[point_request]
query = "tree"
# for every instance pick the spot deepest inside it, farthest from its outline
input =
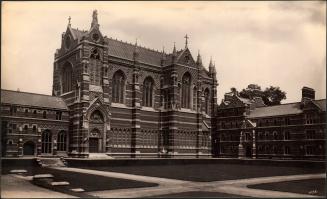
(273, 96)
(270, 96)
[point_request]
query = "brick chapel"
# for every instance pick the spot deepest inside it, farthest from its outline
(115, 98)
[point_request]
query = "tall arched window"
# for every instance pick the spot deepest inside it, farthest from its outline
(186, 90)
(206, 100)
(148, 92)
(118, 84)
(46, 142)
(62, 141)
(95, 67)
(67, 76)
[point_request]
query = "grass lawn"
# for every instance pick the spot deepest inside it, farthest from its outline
(209, 172)
(296, 186)
(88, 182)
(198, 194)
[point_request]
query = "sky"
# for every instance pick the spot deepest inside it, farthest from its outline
(266, 43)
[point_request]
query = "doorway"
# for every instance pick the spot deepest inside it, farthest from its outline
(248, 152)
(28, 148)
(94, 145)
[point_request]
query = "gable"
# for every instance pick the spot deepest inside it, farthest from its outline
(185, 58)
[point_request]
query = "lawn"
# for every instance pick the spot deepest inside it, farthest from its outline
(209, 172)
(88, 182)
(296, 186)
(199, 194)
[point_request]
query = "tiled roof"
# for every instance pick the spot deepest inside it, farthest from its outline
(283, 109)
(125, 50)
(78, 33)
(244, 100)
(32, 99)
(321, 104)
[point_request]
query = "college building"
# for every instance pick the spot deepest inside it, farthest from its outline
(250, 129)
(114, 98)
(119, 99)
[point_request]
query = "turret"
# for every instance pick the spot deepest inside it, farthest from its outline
(95, 19)
(174, 54)
(163, 56)
(135, 52)
(199, 60)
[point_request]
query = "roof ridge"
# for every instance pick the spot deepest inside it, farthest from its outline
(30, 93)
(126, 42)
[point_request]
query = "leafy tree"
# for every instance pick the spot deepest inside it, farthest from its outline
(270, 96)
(273, 96)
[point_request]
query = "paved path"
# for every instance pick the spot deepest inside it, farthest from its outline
(170, 186)
(13, 186)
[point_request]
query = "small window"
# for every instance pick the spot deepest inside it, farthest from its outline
(286, 150)
(287, 135)
(34, 129)
(10, 142)
(26, 112)
(13, 110)
(25, 128)
(44, 114)
(58, 115)
(34, 113)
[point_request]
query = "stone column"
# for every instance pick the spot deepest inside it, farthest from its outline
(241, 151)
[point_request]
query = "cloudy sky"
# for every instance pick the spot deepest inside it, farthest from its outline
(267, 43)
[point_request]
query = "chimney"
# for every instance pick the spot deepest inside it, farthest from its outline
(307, 94)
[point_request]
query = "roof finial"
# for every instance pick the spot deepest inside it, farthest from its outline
(186, 40)
(94, 18)
(174, 49)
(69, 18)
(199, 59)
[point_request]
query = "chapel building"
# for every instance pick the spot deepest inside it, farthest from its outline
(114, 98)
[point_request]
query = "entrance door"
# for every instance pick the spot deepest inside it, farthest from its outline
(248, 152)
(94, 145)
(28, 148)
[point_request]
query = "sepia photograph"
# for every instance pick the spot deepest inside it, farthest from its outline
(163, 99)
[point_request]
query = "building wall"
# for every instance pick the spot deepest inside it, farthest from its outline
(15, 135)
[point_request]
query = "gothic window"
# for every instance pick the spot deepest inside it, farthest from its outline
(26, 112)
(118, 85)
(206, 100)
(310, 134)
(95, 67)
(62, 141)
(275, 135)
(186, 89)
(58, 115)
(95, 54)
(34, 113)
(194, 98)
(67, 76)
(148, 92)
(97, 117)
(46, 142)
